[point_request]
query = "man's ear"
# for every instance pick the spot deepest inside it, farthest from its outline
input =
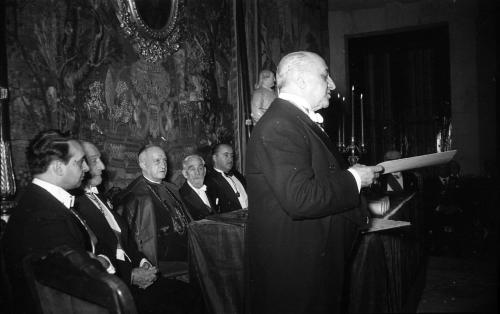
(184, 173)
(300, 81)
(57, 166)
(142, 164)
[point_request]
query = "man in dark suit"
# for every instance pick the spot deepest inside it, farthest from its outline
(397, 182)
(44, 217)
(226, 185)
(193, 192)
(152, 294)
(305, 204)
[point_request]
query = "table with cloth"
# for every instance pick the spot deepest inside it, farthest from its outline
(384, 270)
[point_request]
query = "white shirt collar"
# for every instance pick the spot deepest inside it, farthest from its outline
(298, 101)
(203, 187)
(58, 192)
(218, 170)
(303, 105)
(151, 180)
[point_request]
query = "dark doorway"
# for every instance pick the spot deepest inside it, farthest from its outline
(404, 76)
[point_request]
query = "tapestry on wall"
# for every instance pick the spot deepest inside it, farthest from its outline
(71, 68)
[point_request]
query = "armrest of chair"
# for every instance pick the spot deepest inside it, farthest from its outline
(68, 280)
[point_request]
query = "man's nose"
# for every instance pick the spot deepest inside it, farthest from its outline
(331, 84)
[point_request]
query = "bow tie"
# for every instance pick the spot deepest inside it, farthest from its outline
(230, 173)
(93, 189)
(315, 117)
(203, 188)
(70, 202)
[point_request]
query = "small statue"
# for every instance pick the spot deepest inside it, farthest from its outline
(263, 94)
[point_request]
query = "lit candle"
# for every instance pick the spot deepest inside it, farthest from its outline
(352, 113)
(343, 124)
(339, 126)
(362, 123)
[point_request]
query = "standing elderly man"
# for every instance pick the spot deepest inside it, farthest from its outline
(305, 205)
(152, 294)
(194, 191)
(44, 218)
(155, 213)
(226, 185)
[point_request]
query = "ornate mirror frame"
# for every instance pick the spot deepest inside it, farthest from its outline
(152, 45)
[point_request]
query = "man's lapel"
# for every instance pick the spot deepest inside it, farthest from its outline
(319, 132)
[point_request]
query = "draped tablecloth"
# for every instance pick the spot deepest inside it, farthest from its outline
(216, 254)
(383, 270)
(386, 271)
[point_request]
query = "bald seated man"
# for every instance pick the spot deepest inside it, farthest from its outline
(305, 208)
(155, 213)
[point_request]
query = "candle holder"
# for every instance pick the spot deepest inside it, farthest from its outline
(355, 151)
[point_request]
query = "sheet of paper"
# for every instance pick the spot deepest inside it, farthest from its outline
(417, 161)
(379, 224)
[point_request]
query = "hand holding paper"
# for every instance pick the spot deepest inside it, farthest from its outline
(367, 173)
(403, 164)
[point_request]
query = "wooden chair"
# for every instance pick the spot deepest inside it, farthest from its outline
(69, 281)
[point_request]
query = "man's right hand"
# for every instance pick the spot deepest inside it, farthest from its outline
(143, 277)
(367, 173)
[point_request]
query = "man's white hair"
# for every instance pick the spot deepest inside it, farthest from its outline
(188, 158)
(291, 64)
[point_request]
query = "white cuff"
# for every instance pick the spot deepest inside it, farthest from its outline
(144, 261)
(111, 269)
(356, 177)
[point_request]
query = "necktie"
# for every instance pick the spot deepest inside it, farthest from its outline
(110, 219)
(93, 238)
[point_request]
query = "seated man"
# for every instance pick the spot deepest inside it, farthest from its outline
(155, 212)
(152, 294)
(396, 182)
(44, 217)
(226, 185)
(444, 199)
(193, 191)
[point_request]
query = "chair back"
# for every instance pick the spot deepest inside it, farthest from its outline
(69, 281)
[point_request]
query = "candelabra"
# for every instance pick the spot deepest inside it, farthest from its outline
(353, 149)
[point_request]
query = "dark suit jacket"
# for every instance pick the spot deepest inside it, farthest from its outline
(304, 213)
(38, 224)
(194, 203)
(138, 205)
(221, 189)
(107, 240)
(410, 183)
(163, 296)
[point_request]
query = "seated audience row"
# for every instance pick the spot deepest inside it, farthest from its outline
(138, 239)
